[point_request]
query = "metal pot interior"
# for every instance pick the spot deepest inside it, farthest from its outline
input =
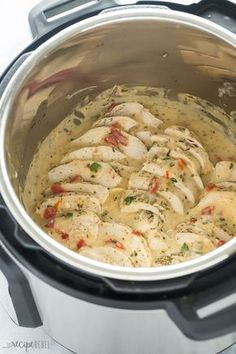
(151, 48)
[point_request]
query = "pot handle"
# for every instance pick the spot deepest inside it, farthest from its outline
(210, 312)
(20, 292)
(48, 15)
(203, 307)
(57, 14)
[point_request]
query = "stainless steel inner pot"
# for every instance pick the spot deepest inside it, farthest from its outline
(152, 47)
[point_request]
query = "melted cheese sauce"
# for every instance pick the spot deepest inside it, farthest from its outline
(165, 242)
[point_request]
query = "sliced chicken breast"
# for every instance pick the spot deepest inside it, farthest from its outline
(108, 255)
(169, 169)
(218, 205)
(194, 242)
(225, 171)
(166, 189)
(120, 236)
(145, 137)
(103, 174)
(173, 143)
(93, 136)
(123, 170)
(136, 111)
(81, 227)
(97, 153)
(137, 200)
(98, 191)
(183, 133)
(125, 123)
(71, 202)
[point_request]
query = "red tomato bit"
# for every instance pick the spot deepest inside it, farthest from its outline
(57, 188)
(50, 223)
(119, 136)
(221, 242)
(111, 140)
(154, 185)
(111, 106)
(81, 243)
(76, 178)
(207, 210)
(116, 137)
(116, 125)
(120, 245)
(63, 234)
(181, 164)
(209, 187)
(49, 212)
(137, 233)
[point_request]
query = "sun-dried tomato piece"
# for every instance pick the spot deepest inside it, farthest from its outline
(154, 185)
(57, 188)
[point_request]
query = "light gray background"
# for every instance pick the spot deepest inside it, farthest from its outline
(14, 36)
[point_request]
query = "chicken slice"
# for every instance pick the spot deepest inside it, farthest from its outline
(128, 144)
(145, 222)
(174, 200)
(104, 174)
(93, 136)
(225, 171)
(181, 179)
(134, 148)
(190, 162)
(71, 202)
(97, 153)
(184, 159)
(145, 137)
(158, 152)
(137, 200)
(166, 189)
(194, 242)
(183, 133)
(157, 243)
(125, 123)
(173, 143)
(123, 170)
(225, 186)
(98, 191)
(120, 236)
(219, 207)
(80, 227)
(214, 230)
(108, 255)
(136, 111)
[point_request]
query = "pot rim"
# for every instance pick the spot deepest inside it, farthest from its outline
(13, 203)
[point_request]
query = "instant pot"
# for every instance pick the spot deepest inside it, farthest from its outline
(80, 49)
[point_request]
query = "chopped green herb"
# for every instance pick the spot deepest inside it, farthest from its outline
(128, 200)
(94, 167)
(231, 166)
(68, 215)
(174, 180)
(184, 247)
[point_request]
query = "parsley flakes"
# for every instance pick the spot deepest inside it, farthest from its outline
(95, 167)
(128, 200)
